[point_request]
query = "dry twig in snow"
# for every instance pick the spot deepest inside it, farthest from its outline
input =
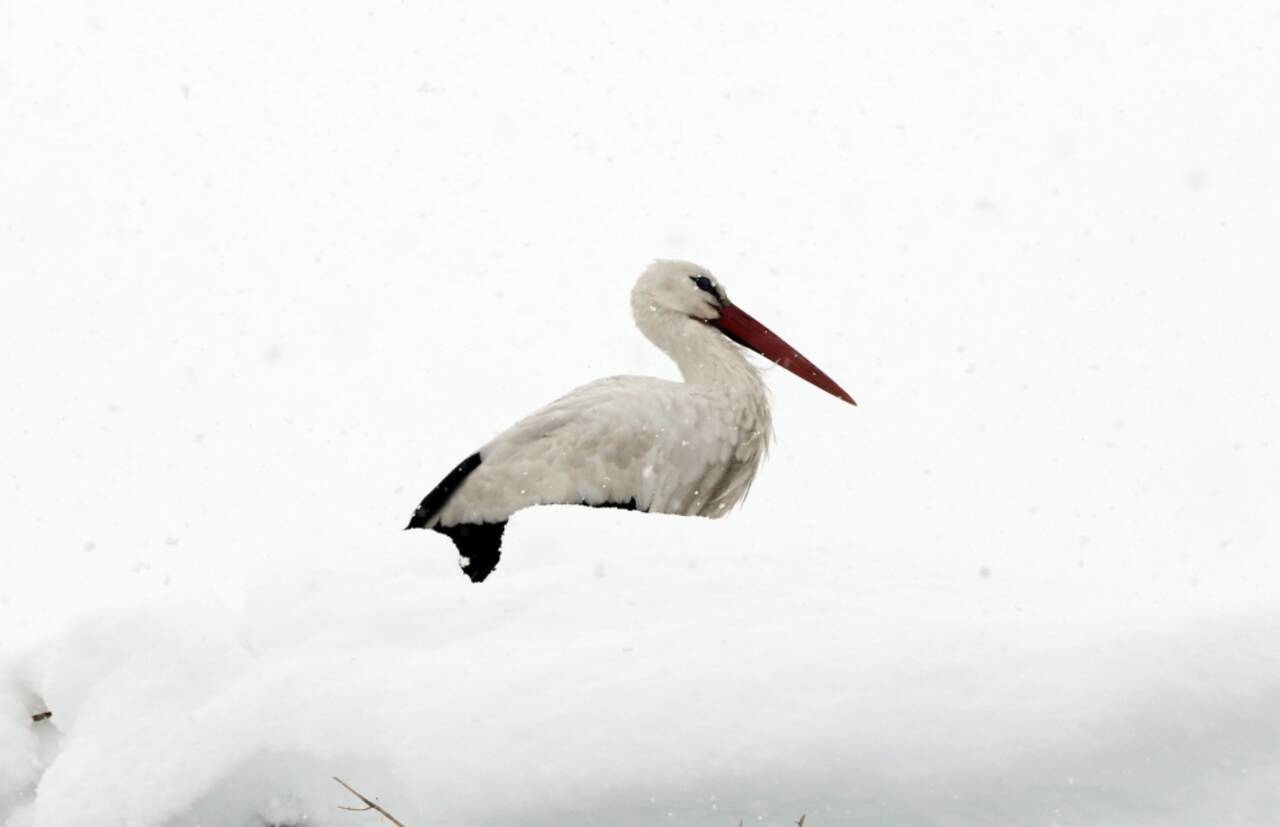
(368, 805)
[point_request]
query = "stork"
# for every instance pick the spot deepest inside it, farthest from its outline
(632, 442)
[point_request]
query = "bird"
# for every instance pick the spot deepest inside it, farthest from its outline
(632, 442)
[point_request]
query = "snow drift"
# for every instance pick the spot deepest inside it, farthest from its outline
(690, 673)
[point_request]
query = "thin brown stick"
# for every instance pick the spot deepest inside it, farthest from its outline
(368, 805)
(42, 716)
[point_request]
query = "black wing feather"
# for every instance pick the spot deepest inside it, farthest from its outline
(433, 502)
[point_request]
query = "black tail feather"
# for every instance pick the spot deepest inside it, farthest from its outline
(480, 545)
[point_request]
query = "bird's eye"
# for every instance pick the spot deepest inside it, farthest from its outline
(704, 284)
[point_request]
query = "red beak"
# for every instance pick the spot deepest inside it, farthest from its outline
(746, 331)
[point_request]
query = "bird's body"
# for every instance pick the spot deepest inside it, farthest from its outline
(670, 447)
(689, 448)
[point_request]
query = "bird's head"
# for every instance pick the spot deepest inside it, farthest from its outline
(680, 287)
(672, 294)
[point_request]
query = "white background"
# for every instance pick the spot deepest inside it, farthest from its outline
(270, 270)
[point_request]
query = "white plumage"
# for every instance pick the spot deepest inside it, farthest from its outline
(690, 447)
(674, 448)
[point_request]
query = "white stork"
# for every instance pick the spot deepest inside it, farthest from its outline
(632, 442)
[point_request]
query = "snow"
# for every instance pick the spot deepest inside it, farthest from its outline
(704, 675)
(269, 273)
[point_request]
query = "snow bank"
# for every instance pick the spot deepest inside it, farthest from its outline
(692, 672)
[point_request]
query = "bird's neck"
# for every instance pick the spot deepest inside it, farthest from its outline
(706, 357)
(711, 359)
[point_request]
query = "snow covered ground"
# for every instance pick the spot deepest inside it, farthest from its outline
(269, 272)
